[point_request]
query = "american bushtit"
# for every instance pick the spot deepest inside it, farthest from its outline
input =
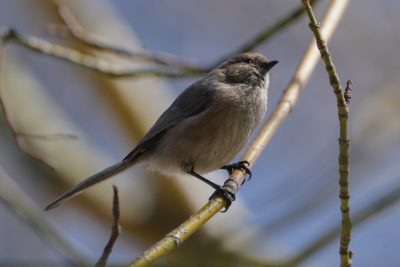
(204, 128)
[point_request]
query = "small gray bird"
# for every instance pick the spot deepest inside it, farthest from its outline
(204, 128)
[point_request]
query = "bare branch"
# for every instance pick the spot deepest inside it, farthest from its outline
(342, 99)
(271, 31)
(18, 202)
(97, 42)
(47, 137)
(115, 231)
(97, 64)
(4, 34)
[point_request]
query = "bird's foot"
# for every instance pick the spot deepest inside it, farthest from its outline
(241, 165)
(226, 194)
(220, 190)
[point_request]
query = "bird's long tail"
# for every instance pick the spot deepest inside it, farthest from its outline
(92, 180)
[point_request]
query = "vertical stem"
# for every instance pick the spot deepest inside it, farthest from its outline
(344, 143)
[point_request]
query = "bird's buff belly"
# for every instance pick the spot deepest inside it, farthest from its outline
(203, 148)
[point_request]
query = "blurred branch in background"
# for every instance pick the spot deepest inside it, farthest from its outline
(270, 31)
(78, 32)
(172, 240)
(181, 67)
(343, 99)
(17, 201)
(71, 55)
(3, 38)
(387, 200)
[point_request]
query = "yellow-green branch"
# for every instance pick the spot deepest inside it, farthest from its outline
(342, 98)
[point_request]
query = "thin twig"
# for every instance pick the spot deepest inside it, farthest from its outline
(4, 33)
(3, 37)
(288, 100)
(115, 231)
(47, 137)
(267, 33)
(270, 31)
(344, 142)
(18, 135)
(97, 64)
(79, 33)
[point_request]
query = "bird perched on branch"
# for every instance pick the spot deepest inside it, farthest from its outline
(206, 126)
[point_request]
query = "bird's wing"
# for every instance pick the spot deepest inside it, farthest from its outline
(192, 101)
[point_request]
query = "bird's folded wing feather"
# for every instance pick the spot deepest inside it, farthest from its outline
(193, 101)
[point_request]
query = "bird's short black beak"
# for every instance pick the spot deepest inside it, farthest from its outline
(268, 65)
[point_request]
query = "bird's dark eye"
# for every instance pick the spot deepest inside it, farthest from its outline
(248, 61)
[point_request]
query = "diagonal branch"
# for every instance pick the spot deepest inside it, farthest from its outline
(79, 33)
(168, 66)
(17, 134)
(94, 41)
(387, 200)
(342, 99)
(94, 63)
(18, 202)
(270, 31)
(286, 104)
